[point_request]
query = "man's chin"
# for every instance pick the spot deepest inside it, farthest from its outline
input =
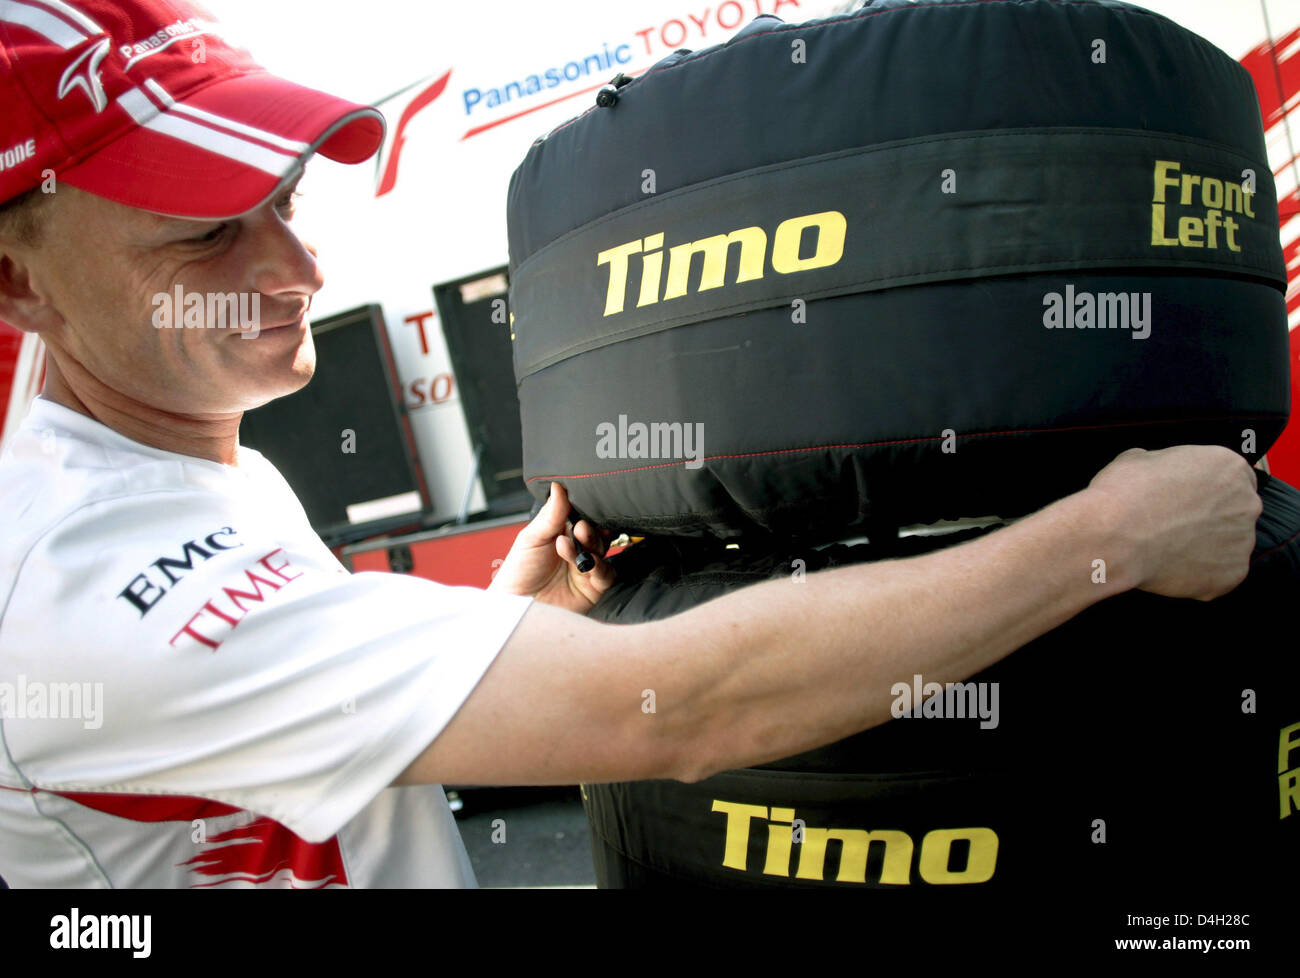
(253, 391)
(289, 385)
(288, 371)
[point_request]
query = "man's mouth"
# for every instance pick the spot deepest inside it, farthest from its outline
(257, 328)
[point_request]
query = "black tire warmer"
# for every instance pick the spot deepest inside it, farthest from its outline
(920, 262)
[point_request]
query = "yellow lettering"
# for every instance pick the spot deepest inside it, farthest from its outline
(1231, 226)
(779, 839)
(753, 246)
(1212, 201)
(652, 266)
(1219, 197)
(980, 863)
(1288, 789)
(735, 854)
(753, 249)
(1190, 230)
(855, 844)
(1232, 197)
(1158, 226)
(616, 259)
(1163, 180)
(831, 228)
(1288, 741)
(1213, 221)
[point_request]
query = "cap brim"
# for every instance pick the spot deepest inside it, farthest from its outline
(222, 151)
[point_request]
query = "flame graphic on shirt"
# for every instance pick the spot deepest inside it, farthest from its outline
(256, 853)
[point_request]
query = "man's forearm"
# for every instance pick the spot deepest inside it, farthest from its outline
(784, 667)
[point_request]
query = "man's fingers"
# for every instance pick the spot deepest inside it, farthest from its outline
(552, 523)
(589, 538)
(564, 547)
(602, 574)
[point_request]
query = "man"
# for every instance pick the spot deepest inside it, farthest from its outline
(199, 693)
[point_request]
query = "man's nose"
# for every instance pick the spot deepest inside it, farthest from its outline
(283, 262)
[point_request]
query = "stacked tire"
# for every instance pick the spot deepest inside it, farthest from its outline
(925, 262)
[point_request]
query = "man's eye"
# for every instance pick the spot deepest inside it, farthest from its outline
(214, 235)
(286, 202)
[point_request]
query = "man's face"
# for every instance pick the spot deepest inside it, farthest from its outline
(111, 271)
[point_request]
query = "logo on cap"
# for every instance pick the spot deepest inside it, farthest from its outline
(64, 25)
(88, 82)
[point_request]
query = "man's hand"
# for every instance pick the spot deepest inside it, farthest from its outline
(542, 561)
(1189, 513)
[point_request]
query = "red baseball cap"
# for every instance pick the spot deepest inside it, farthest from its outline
(143, 102)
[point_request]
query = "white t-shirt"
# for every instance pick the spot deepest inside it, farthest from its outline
(194, 692)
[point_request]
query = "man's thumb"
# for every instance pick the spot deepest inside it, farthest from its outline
(553, 511)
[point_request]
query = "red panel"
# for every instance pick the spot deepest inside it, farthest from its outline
(1284, 456)
(1277, 82)
(371, 560)
(465, 558)
(10, 341)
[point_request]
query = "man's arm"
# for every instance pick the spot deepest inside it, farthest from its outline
(779, 668)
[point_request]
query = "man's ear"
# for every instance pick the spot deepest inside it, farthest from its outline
(21, 305)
